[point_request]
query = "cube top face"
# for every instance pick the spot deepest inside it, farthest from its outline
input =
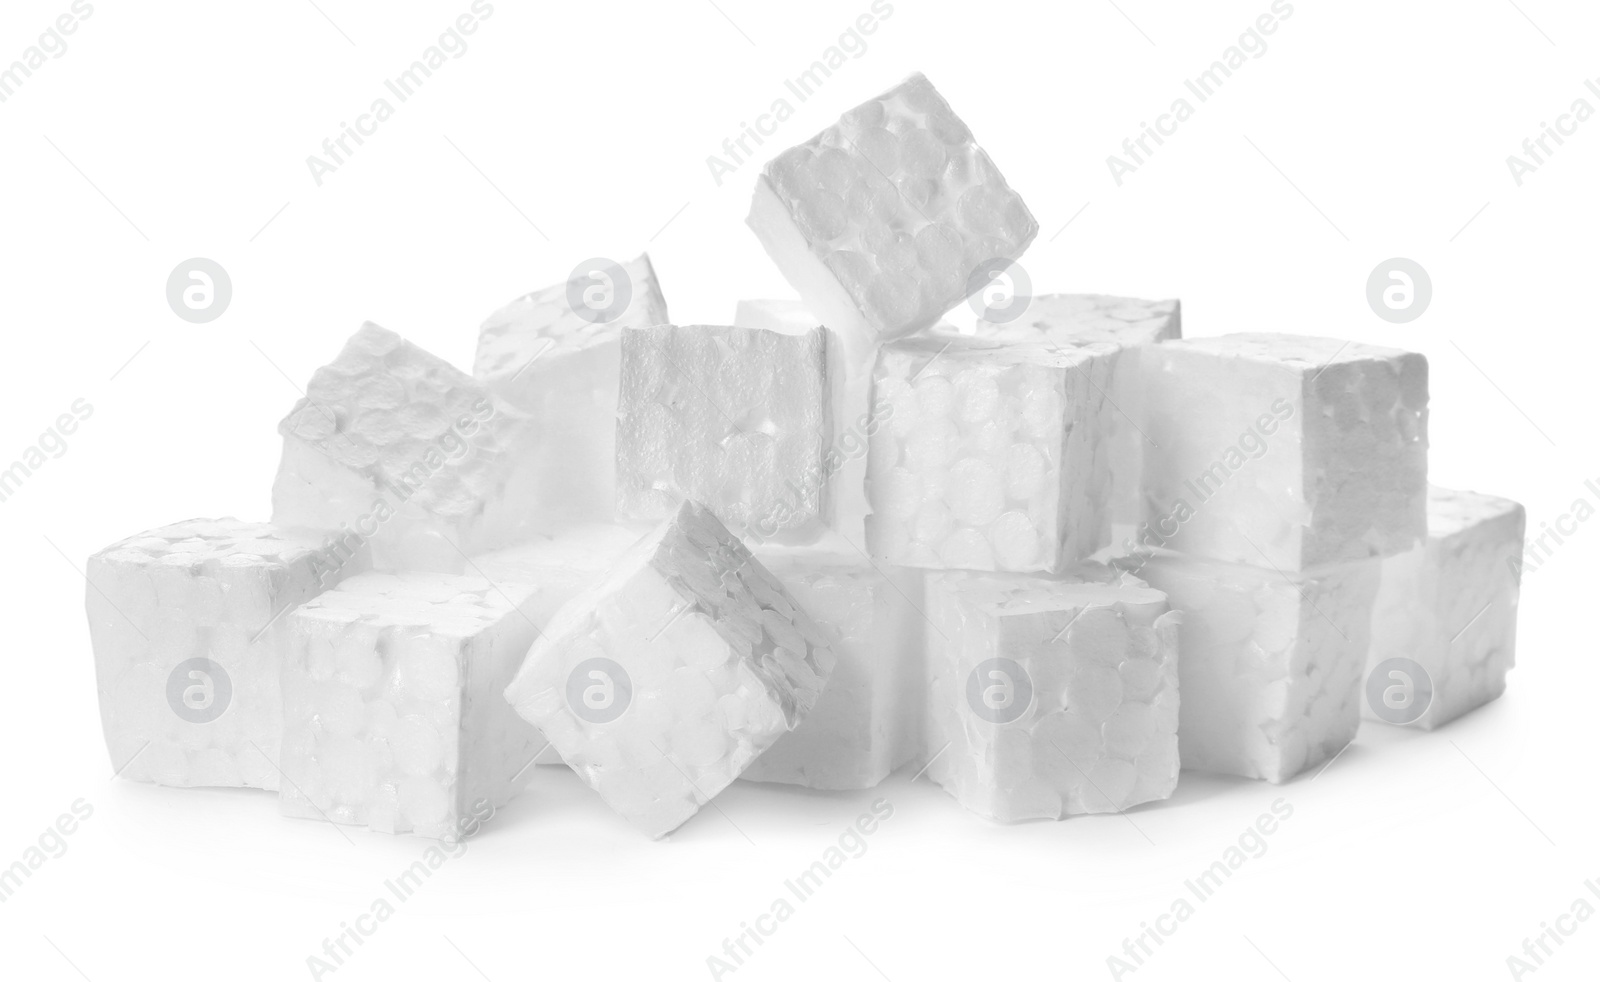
(784, 316)
(1021, 597)
(584, 548)
(445, 604)
(590, 310)
(1453, 512)
(1077, 318)
(733, 417)
(901, 206)
(203, 544)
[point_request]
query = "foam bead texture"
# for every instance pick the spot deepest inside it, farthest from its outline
(735, 418)
(1098, 654)
(200, 589)
(1342, 477)
(392, 712)
(716, 658)
(1272, 663)
(383, 421)
(1451, 604)
(901, 206)
(990, 457)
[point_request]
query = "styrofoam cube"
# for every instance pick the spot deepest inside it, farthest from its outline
(882, 221)
(394, 448)
(557, 353)
(735, 418)
(992, 457)
(1448, 606)
(788, 316)
(866, 722)
(1271, 662)
(1051, 697)
(188, 628)
(660, 684)
(1285, 451)
(1131, 326)
(393, 718)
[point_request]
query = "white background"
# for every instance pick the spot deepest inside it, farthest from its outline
(567, 131)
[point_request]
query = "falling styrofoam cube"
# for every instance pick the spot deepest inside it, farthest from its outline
(1131, 326)
(557, 353)
(660, 684)
(732, 417)
(1449, 608)
(866, 722)
(990, 456)
(1285, 451)
(1271, 661)
(188, 628)
(394, 448)
(885, 220)
(393, 718)
(1051, 697)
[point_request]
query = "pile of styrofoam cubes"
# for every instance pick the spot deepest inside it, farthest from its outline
(1048, 563)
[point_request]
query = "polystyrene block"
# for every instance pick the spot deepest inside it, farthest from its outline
(557, 354)
(1051, 697)
(188, 628)
(991, 457)
(1285, 451)
(660, 684)
(1448, 606)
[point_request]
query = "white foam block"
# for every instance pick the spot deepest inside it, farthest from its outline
(1450, 606)
(188, 628)
(557, 354)
(735, 418)
(787, 316)
(990, 457)
(660, 684)
(865, 723)
(881, 221)
(1051, 697)
(1270, 664)
(1285, 451)
(392, 712)
(394, 448)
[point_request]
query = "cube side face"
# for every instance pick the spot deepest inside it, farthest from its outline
(974, 467)
(1053, 710)
(899, 206)
(1366, 458)
(186, 624)
(738, 419)
(1224, 477)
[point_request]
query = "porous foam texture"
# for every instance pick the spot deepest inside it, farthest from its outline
(880, 221)
(1131, 326)
(735, 418)
(1285, 451)
(392, 712)
(990, 457)
(865, 724)
(1051, 697)
(394, 448)
(660, 684)
(188, 628)
(1272, 661)
(1450, 605)
(561, 364)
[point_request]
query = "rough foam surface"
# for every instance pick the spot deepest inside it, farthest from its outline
(992, 457)
(392, 710)
(1129, 325)
(1285, 451)
(881, 220)
(866, 722)
(395, 447)
(1450, 605)
(660, 684)
(562, 365)
(732, 417)
(1272, 662)
(213, 590)
(1051, 697)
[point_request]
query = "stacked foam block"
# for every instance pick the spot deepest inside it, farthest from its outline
(1048, 561)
